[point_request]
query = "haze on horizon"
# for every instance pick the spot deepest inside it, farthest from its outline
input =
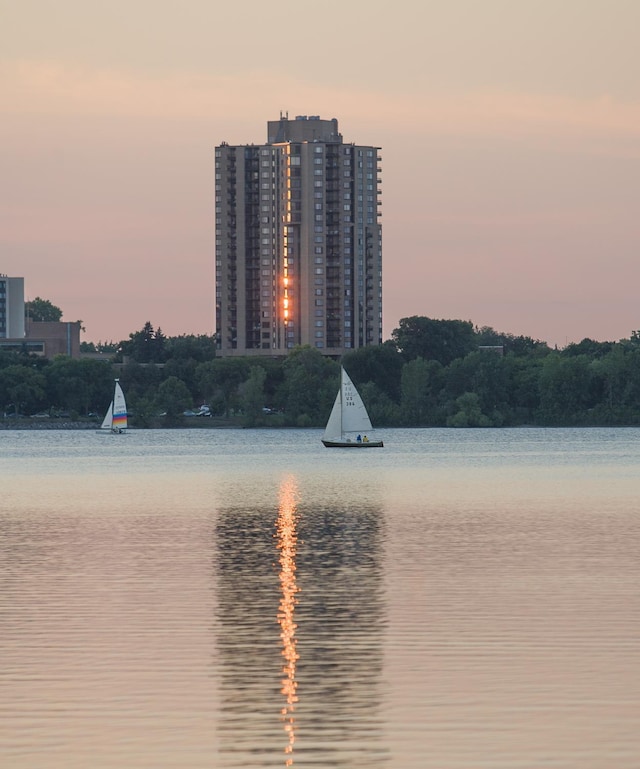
(510, 136)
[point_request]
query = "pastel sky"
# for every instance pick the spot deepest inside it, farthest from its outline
(509, 133)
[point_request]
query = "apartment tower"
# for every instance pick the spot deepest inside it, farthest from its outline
(298, 242)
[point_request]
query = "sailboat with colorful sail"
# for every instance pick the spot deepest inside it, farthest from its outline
(349, 425)
(115, 420)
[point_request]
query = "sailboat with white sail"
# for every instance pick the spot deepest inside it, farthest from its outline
(115, 420)
(349, 425)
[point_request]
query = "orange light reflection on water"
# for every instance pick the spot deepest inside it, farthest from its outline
(287, 535)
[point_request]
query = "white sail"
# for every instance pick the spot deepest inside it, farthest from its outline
(348, 422)
(115, 420)
(333, 430)
(106, 422)
(354, 414)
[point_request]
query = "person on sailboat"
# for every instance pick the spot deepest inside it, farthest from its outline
(359, 438)
(366, 439)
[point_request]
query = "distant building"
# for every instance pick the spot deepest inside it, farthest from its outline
(298, 242)
(57, 337)
(11, 307)
(38, 338)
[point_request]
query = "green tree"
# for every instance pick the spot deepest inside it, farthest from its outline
(191, 347)
(145, 346)
(142, 411)
(484, 373)
(421, 383)
(631, 391)
(468, 413)
(518, 345)
(252, 396)
(140, 381)
(441, 340)
(41, 310)
(380, 364)
(23, 388)
(105, 348)
(381, 409)
(566, 392)
(174, 398)
(222, 377)
(523, 374)
(588, 347)
(81, 386)
(311, 382)
(184, 369)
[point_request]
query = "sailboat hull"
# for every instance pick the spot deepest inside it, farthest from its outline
(352, 444)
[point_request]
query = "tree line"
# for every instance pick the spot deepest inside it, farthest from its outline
(430, 373)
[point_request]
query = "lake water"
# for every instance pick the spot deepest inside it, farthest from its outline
(460, 599)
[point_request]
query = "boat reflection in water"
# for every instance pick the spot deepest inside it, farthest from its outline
(300, 622)
(287, 536)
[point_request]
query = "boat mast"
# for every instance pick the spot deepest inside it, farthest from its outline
(115, 385)
(341, 399)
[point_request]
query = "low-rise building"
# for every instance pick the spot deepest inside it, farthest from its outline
(46, 339)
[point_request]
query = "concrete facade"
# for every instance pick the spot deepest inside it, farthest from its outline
(11, 307)
(47, 339)
(298, 242)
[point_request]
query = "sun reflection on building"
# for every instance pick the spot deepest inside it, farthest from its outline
(287, 541)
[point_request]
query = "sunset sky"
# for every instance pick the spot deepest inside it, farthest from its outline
(509, 134)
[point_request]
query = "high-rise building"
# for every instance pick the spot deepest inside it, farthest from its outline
(298, 242)
(11, 307)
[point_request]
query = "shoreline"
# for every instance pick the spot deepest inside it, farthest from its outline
(81, 424)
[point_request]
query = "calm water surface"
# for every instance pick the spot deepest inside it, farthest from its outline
(460, 599)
